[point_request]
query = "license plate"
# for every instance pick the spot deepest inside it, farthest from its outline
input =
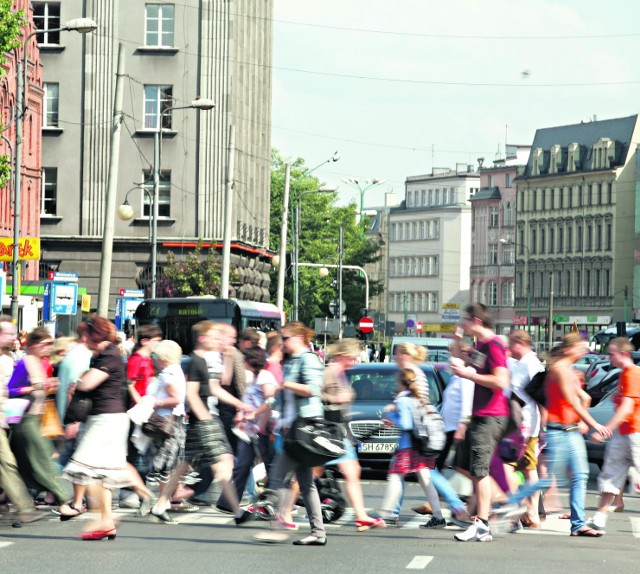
(382, 447)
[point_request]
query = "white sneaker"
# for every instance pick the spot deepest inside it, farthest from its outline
(478, 532)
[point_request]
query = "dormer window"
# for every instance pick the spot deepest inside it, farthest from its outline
(538, 158)
(573, 163)
(556, 158)
(603, 154)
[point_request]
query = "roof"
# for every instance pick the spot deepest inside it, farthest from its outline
(619, 130)
(486, 193)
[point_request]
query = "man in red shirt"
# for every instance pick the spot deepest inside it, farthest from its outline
(489, 414)
(140, 364)
(622, 454)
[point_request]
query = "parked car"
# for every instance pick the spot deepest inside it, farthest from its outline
(602, 412)
(375, 387)
(596, 372)
(585, 362)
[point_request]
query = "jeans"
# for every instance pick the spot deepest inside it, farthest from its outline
(565, 451)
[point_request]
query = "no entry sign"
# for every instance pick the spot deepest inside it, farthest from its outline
(366, 325)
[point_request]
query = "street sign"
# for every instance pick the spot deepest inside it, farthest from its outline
(132, 293)
(63, 276)
(64, 298)
(333, 307)
(411, 323)
(365, 325)
(419, 326)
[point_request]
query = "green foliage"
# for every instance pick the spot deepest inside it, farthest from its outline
(11, 24)
(191, 276)
(5, 170)
(320, 225)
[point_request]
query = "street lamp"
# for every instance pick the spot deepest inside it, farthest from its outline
(362, 185)
(526, 272)
(296, 241)
(125, 211)
(324, 271)
(82, 26)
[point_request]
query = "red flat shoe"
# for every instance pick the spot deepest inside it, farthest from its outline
(98, 535)
(362, 525)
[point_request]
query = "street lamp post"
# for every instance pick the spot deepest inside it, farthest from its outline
(82, 26)
(335, 266)
(526, 273)
(362, 185)
(125, 212)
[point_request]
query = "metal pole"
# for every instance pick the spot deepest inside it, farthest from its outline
(154, 208)
(15, 266)
(626, 302)
(340, 250)
(356, 267)
(296, 258)
(283, 237)
(110, 199)
(228, 212)
(550, 327)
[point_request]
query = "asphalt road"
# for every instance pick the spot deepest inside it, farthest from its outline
(207, 541)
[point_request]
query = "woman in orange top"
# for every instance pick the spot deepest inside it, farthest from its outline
(565, 445)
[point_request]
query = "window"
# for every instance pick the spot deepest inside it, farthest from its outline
(608, 237)
(394, 231)
(587, 282)
(437, 196)
(589, 237)
(508, 254)
(51, 98)
(596, 283)
(507, 214)
(493, 254)
(543, 241)
(492, 299)
(431, 197)
(159, 25)
(493, 216)
(156, 100)
(569, 240)
(49, 195)
(567, 283)
(578, 283)
(409, 199)
(432, 302)
(423, 194)
(552, 240)
(492, 181)
(579, 238)
(452, 195)
(509, 182)
(533, 241)
(508, 291)
(164, 194)
(46, 16)
(607, 285)
(598, 236)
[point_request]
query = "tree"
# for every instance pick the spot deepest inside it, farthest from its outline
(11, 23)
(320, 225)
(192, 276)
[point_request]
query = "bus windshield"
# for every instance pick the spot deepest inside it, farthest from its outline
(176, 316)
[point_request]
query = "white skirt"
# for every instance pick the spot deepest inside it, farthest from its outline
(101, 455)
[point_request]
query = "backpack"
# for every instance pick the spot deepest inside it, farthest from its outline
(428, 434)
(536, 388)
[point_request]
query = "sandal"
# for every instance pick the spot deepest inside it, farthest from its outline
(526, 522)
(566, 516)
(423, 509)
(587, 531)
(76, 512)
(362, 525)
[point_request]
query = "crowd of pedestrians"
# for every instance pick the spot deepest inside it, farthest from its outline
(153, 424)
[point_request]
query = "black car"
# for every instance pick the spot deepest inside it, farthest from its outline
(602, 413)
(375, 387)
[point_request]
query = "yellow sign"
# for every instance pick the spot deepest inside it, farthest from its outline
(29, 248)
(438, 328)
(85, 306)
(451, 305)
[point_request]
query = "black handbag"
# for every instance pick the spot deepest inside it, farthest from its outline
(79, 408)
(315, 442)
(158, 427)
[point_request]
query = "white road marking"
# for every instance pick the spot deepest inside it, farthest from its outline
(635, 526)
(414, 523)
(419, 562)
(5, 544)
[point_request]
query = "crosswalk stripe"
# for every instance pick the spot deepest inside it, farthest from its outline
(635, 526)
(5, 544)
(419, 562)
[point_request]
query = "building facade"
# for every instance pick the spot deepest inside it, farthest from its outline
(174, 53)
(576, 219)
(493, 213)
(28, 165)
(430, 250)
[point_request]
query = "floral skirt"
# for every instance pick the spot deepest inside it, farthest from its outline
(169, 453)
(409, 460)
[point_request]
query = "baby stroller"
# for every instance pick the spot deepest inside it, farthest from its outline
(332, 500)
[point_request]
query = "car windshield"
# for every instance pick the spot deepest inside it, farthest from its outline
(380, 385)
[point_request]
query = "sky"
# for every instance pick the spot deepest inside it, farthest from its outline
(400, 86)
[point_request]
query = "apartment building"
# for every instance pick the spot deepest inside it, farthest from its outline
(430, 249)
(174, 53)
(493, 214)
(576, 223)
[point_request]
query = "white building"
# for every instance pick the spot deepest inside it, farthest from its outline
(430, 248)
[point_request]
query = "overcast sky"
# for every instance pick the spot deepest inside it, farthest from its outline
(399, 86)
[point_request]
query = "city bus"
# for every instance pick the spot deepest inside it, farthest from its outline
(176, 315)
